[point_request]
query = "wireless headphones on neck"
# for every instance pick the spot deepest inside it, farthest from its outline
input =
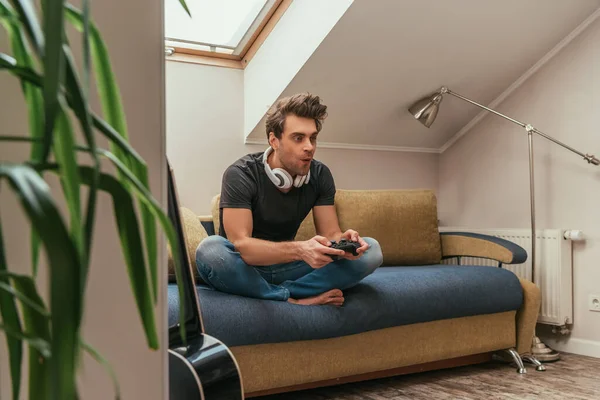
(280, 177)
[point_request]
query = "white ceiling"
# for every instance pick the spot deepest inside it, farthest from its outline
(384, 54)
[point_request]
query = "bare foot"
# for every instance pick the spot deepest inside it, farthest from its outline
(334, 297)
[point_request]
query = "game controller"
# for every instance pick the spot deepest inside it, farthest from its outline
(347, 245)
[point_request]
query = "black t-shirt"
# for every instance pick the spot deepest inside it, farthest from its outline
(276, 215)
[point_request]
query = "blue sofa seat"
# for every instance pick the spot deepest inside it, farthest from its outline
(391, 296)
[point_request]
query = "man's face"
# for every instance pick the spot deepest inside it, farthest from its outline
(297, 145)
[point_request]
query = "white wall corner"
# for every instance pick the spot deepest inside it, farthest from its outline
(296, 36)
(522, 79)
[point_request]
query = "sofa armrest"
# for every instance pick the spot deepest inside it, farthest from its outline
(527, 316)
(477, 245)
(207, 223)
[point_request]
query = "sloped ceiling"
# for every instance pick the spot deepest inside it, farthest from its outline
(383, 55)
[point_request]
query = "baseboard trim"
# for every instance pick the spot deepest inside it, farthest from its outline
(349, 146)
(590, 348)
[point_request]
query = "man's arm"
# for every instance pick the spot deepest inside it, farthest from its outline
(237, 222)
(238, 225)
(326, 222)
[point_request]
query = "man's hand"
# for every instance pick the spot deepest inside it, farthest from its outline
(355, 237)
(315, 252)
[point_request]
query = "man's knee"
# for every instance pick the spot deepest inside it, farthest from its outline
(212, 251)
(215, 261)
(373, 257)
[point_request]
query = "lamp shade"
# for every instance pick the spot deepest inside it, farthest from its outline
(425, 110)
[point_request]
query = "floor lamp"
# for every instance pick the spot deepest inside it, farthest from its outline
(425, 110)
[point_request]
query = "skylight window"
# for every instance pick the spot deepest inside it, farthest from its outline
(217, 27)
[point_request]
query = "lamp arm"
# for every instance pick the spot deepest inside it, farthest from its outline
(523, 125)
(591, 159)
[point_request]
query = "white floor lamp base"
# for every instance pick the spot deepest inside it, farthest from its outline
(542, 352)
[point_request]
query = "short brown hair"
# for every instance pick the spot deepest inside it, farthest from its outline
(303, 105)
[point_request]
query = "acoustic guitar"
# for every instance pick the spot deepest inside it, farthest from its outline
(202, 367)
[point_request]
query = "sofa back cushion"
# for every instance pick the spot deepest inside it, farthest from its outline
(194, 234)
(404, 222)
(214, 207)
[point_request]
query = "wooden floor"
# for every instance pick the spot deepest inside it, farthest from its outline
(573, 377)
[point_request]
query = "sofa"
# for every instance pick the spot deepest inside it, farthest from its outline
(414, 313)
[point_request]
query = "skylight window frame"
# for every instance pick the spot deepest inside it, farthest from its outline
(205, 53)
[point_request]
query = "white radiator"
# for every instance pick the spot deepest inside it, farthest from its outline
(553, 270)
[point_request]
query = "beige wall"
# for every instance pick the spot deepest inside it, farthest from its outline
(111, 322)
(205, 117)
(484, 177)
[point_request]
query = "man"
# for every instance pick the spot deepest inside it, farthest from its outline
(264, 199)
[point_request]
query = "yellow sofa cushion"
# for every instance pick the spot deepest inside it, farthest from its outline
(194, 234)
(404, 222)
(214, 207)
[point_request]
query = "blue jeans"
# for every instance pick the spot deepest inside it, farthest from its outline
(222, 268)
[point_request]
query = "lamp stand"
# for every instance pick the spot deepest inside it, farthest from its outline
(425, 110)
(539, 350)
